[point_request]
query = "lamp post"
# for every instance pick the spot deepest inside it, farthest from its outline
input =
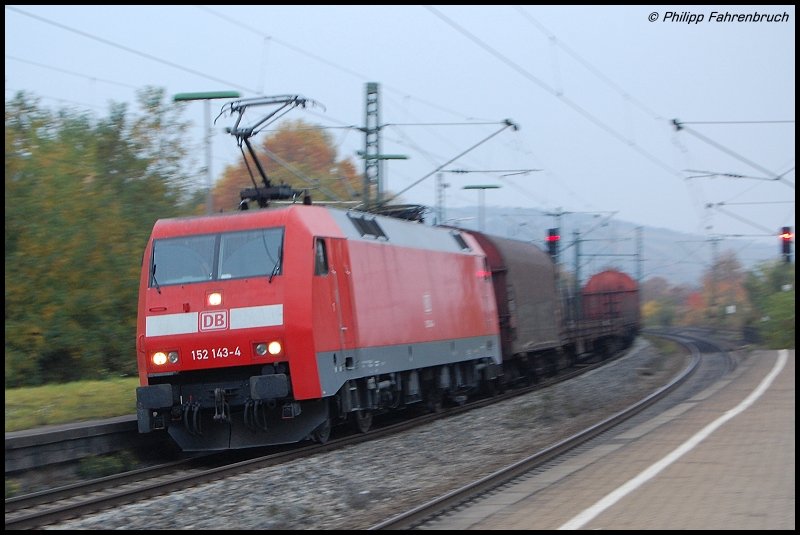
(379, 186)
(481, 198)
(207, 96)
(440, 185)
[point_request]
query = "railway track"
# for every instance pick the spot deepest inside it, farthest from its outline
(440, 506)
(55, 505)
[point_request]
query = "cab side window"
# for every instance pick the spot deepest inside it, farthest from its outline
(320, 257)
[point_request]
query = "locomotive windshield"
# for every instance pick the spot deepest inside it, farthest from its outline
(230, 255)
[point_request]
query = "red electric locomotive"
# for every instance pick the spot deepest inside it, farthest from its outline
(269, 326)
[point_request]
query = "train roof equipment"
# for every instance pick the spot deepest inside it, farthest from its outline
(269, 192)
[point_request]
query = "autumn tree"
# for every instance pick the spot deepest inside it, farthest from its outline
(655, 288)
(694, 310)
(664, 304)
(298, 154)
(723, 290)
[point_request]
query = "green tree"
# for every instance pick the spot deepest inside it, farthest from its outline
(771, 290)
(81, 198)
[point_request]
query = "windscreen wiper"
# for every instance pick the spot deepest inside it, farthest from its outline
(154, 278)
(277, 264)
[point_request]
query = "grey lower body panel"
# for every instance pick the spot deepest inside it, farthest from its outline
(336, 367)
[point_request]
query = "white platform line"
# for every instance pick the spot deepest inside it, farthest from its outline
(613, 497)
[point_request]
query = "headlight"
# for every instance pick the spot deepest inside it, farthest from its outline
(273, 348)
(160, 358)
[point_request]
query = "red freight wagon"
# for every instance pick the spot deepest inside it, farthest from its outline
(611, 294)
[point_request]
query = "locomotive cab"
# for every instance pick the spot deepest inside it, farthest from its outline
(218, 298)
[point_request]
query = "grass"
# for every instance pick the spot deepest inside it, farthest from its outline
(27, 408)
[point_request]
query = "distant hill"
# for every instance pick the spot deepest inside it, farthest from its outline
(678, 257)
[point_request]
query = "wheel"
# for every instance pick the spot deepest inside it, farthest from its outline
(322, 433)
(362, 420)
(492, 387)
(435, 400)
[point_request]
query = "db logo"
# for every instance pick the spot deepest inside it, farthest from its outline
(214, 321)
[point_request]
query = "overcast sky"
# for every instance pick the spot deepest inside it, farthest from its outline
(593, 90)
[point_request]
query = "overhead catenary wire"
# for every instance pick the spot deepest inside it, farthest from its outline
(569, 102)
(317, 57)
(133, 51)
(507, 124)
(566, 100)
(557, 43)
(72, 73)
(680, 125)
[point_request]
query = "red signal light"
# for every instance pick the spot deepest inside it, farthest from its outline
(786, 243)
(552, 241)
